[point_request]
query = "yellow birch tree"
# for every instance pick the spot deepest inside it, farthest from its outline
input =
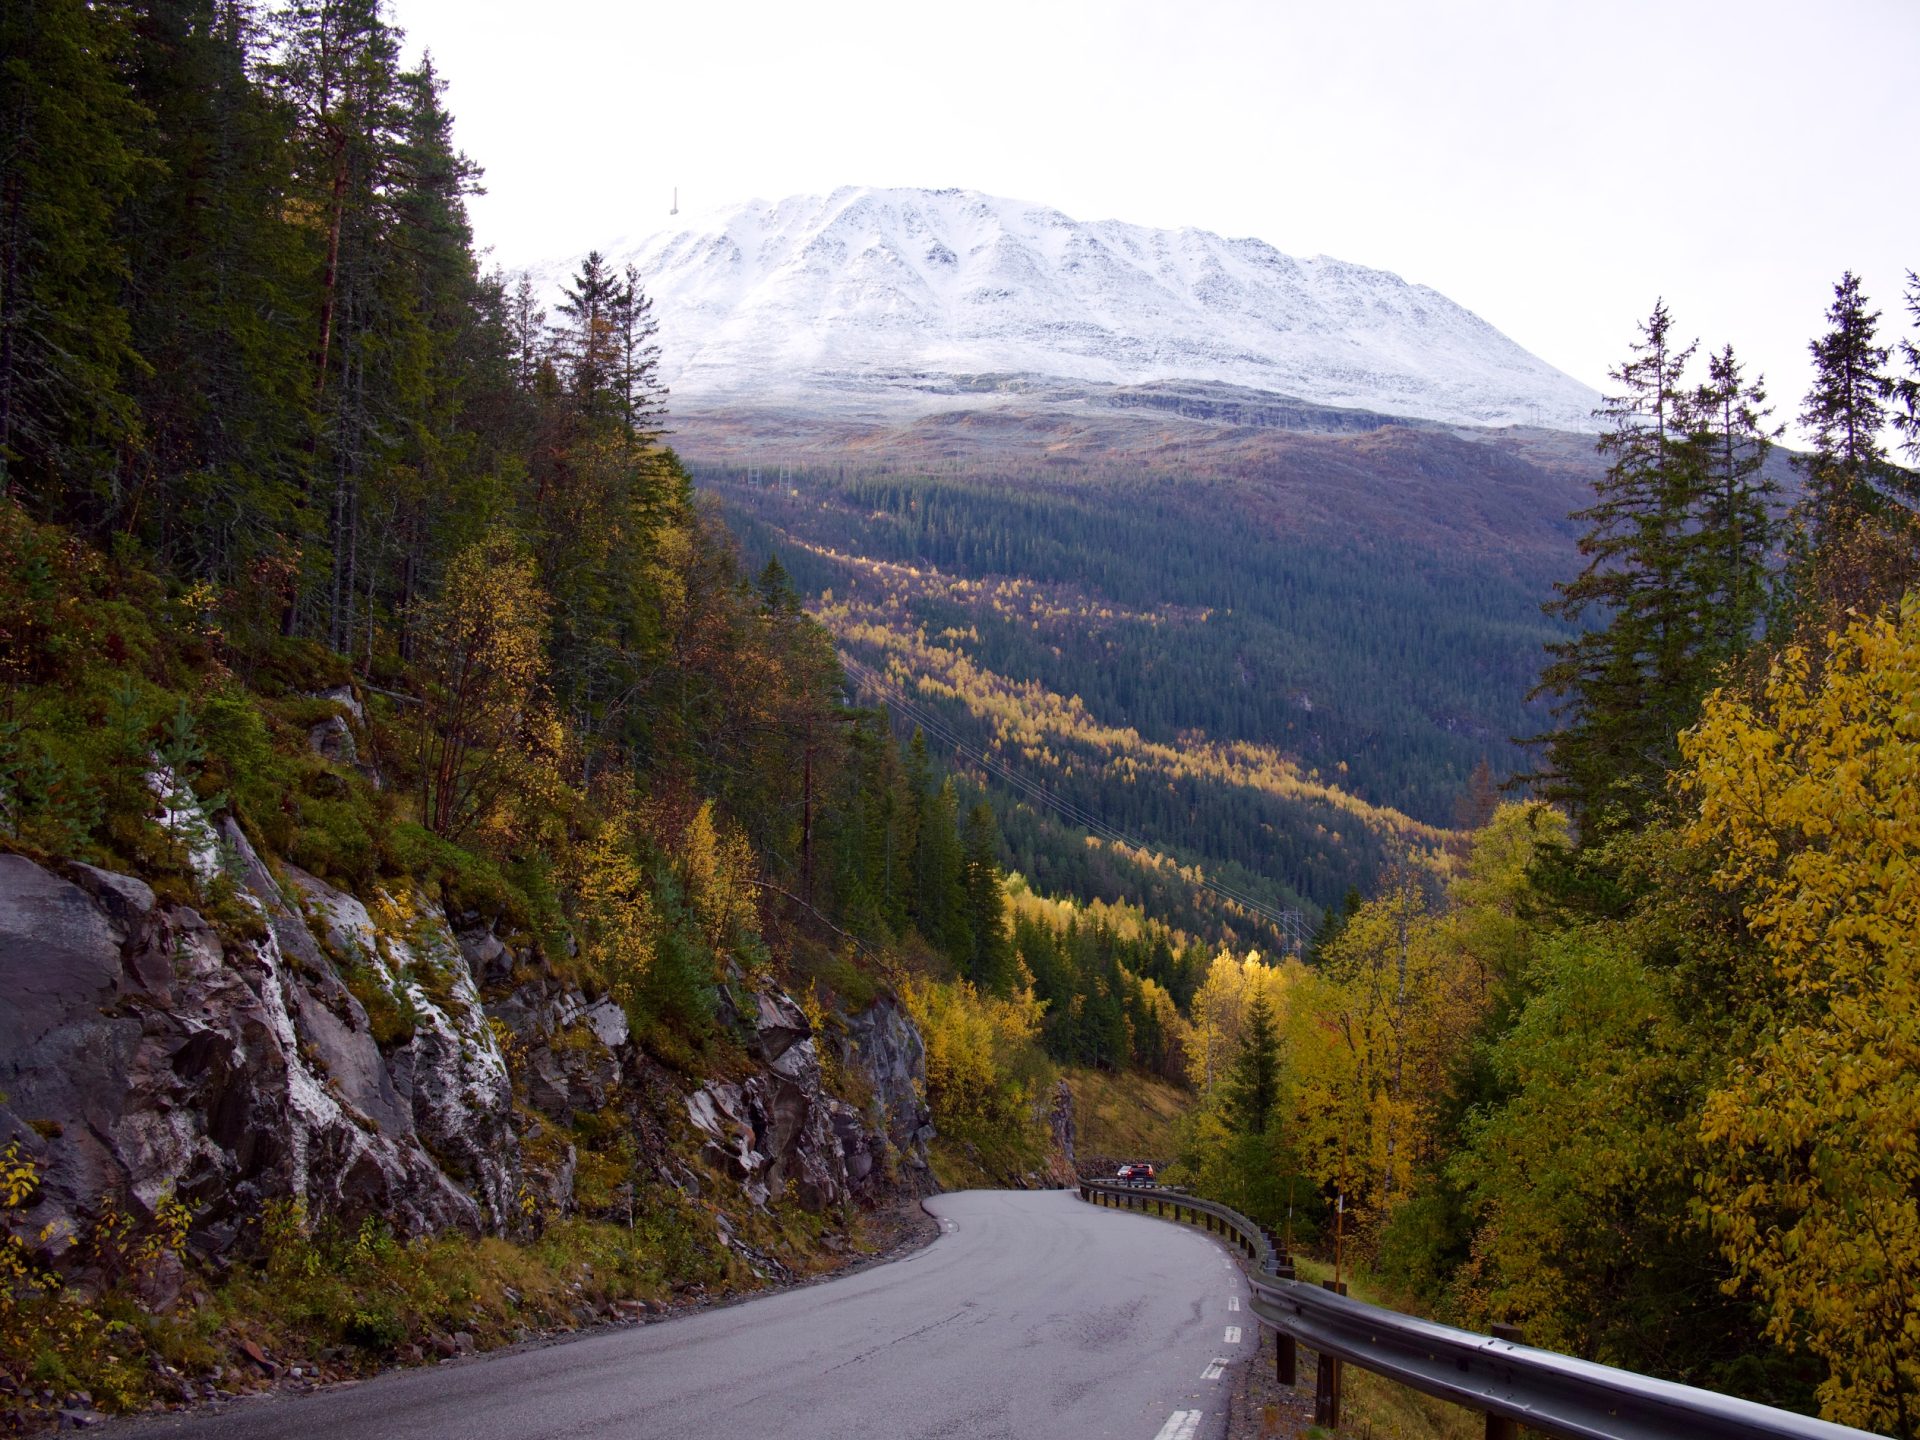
(1810, 801)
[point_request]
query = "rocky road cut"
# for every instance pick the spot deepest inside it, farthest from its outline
(1032, 1315)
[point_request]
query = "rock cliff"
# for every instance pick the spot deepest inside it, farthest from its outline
(375, 1056)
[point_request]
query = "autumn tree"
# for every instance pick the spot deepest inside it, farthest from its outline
(1813, 1141)
(485, 735)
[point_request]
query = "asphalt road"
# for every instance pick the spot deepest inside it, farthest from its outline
(1034, 1316)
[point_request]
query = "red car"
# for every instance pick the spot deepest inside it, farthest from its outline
(1139, 1170)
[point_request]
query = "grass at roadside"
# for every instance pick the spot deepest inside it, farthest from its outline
(324, 1304)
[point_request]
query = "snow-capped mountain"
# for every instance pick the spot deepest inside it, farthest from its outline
(873, 296)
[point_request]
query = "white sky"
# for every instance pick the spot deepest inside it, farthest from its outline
(1554, 167)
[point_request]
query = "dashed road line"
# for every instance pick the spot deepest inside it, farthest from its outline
(1233, 1303)
(1233, 1334)
(1216, 1369)
(1181, 1425)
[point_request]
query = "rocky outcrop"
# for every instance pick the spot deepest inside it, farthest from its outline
(882, 1046)
(1063, 1167)
(146, 1052)
(372, 1056)
(780, 1133)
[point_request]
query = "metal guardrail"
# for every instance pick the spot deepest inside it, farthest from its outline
(1512, 1384)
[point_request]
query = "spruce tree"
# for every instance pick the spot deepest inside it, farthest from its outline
(1252, 1087)
(1906, 388)
(215, 299)
(1737, 526)
(1626, 687)
(1853, 542)
(70, 153)
(1846, 413)
(993, 966)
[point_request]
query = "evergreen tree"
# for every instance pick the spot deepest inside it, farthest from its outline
(1906, 388)
(215, 301)
(1846, 414)
(1854, 546)
(1252, 1087)
(992, 966)
(589, 342)
(69, 155)
(940, 901)
(1737, 527)
(1625, 688)
(636, 358)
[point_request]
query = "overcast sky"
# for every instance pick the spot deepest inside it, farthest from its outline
(1553, 167)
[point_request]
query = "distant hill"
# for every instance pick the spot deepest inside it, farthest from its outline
(878, 298)
(1269, 639)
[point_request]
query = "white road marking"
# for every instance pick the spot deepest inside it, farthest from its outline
(1216, 1369)
(1233, 1303)
(1181, 1425)
(1233, 1334)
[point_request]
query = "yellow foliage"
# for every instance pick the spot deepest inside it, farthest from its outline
(974, 1043)
(1219, 1010)
(1027, 717)
(1807, 802)
(490, 747)
(617, 922)
(716, 861)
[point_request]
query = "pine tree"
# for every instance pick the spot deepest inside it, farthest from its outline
(1846, 414)
(1853, 546)
(1627, 687)
(940, 901)
(589, 342)
(1906, 388)
(70, 136)
(992, 965)
(636, 358)
(1252, 1087)
(1737, 528)
(215, 301)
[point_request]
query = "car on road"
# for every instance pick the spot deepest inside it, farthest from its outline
(1138, 1170)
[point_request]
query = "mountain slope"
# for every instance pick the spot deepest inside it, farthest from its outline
(895, 297)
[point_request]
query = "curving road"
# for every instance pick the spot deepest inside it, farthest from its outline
(1033, 1315)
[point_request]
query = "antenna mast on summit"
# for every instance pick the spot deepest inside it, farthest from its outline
(676, 201)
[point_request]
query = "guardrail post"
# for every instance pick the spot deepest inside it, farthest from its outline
(1499, 1427)
(1286, 1350)
(1326, 1393)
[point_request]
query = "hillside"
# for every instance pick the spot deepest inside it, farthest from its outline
(1271, 640)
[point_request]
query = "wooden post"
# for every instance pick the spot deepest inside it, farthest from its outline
(1326, 1396)
(1499, 1427)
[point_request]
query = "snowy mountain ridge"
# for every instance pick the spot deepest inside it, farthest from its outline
(873, 298)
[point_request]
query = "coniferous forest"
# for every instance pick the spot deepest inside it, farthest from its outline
(341, 575)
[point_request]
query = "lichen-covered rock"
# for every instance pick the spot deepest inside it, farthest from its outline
(144, 1052)
(449, 1071)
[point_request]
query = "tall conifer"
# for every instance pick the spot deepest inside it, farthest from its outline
(1625, 687)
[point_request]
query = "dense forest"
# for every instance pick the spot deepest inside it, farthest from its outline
(1368, 652)
(1638, 1072)
(1107, 657)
